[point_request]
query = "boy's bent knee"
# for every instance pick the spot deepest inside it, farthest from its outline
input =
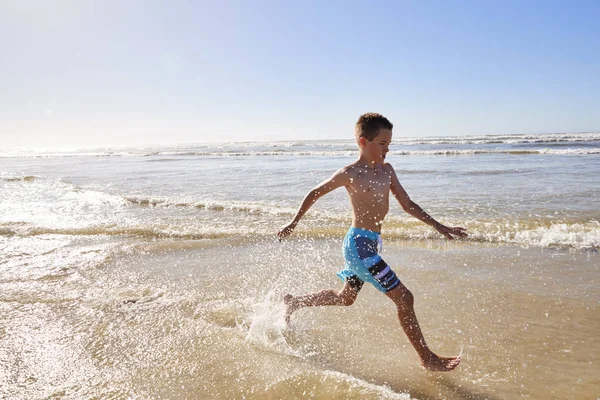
(347, 299)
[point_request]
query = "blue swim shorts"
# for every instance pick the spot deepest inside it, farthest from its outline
(364, 264)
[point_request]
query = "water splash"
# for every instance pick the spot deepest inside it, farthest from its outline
(266, 327)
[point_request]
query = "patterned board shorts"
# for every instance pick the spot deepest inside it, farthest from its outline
(364, 264)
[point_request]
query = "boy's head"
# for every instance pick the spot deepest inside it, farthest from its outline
(369, 125)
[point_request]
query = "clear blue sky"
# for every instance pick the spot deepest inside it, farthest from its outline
(90, 73)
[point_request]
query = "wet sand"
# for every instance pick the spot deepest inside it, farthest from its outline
(193, 319)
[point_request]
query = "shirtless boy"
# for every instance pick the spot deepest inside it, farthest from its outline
(369, 181)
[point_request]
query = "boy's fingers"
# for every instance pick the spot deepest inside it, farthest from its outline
(459, 231)
(284, 233)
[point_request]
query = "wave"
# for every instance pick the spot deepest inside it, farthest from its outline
(148, 232)
(353, 152)
(344, 147)
(256, 153)
(469, 152)
(248, 207)
(546, 233)
(505, 139)
(61, 208)
(26, 178)
(498, 172)
(330, 384)
(571, 151)
(536, 233)
(539, 231)
(70, 154)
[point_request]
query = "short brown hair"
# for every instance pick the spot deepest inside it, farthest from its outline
(369, 124)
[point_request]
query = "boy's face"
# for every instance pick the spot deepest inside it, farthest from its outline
(377, 149)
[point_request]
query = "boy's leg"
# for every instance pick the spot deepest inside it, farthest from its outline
(404, 301)
(327, 297)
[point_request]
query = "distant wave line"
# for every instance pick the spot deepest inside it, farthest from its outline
(447, 152)
(335, 153)
(337, 147)
(340, 153)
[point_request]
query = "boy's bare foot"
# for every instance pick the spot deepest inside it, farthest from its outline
(436, 363)
(290, 307)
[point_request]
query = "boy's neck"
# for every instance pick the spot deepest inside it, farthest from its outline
(364, 162)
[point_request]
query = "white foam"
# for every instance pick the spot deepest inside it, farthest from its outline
(577, 235)
(382, 391)
(580, 236)
(468, 152)
(44, 202)
(265, 324)
(327, 382)
(352, 153)
(575, 152)
(250, 207)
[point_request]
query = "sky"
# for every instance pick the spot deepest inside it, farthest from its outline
(82, 73)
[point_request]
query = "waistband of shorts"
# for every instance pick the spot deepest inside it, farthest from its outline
(363, 233)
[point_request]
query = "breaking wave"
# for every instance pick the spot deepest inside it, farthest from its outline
(538, 233)
(212, 205)
(26, 178)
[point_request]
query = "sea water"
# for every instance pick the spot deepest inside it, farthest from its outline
(156, 273)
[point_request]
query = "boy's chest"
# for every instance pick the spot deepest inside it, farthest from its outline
(371, 183)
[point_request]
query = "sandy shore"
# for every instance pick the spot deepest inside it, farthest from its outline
(184, 319)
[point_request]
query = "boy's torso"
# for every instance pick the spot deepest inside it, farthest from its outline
(369, 190)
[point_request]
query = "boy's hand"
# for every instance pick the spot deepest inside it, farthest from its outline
(451, 232)
(286, 230)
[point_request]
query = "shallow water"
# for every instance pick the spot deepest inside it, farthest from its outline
(155, 273)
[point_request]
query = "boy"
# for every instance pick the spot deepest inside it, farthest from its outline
(368, 182)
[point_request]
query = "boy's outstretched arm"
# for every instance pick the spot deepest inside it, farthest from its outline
(338, 179)
(413, 209)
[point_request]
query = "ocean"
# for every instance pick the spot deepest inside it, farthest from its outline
(155, 272)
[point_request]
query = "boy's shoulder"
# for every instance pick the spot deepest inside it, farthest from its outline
(388, 167)
(350, 169)
(355, 169)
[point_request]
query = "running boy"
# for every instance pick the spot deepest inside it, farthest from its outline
(369, 181)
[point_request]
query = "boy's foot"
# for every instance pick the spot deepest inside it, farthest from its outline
(290, 307)
(436, 363)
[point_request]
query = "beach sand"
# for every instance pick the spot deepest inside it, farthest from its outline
(204, 319)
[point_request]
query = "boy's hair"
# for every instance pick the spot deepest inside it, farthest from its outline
(369, 124)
